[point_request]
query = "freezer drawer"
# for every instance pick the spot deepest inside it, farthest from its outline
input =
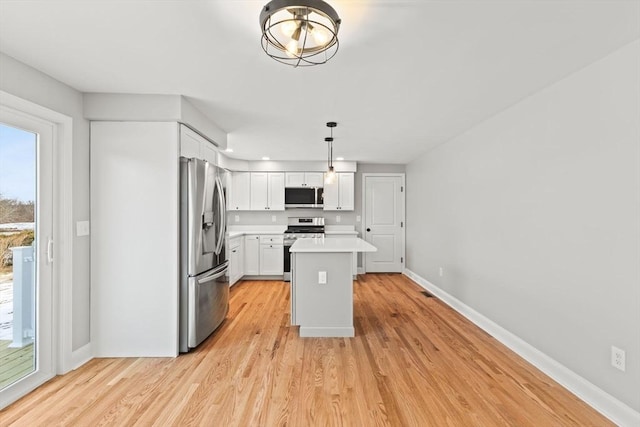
(208, 300)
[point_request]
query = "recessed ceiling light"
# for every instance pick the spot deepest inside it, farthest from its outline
(229, 150)
(340, 159)
(265, 158)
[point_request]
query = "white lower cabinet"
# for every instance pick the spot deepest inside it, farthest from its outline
(271, 255)
(263, 255)
(251, 255)
(236, 259)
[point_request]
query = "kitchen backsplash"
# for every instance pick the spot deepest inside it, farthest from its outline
(267, 218)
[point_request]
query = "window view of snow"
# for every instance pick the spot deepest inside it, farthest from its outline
(17, 262)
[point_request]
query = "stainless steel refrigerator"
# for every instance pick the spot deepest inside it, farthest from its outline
(204, 278)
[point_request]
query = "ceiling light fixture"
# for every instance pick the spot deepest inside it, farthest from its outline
(330, 177)
(266, 158)
(300, 33)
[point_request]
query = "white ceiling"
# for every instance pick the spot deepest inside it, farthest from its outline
(408, 75)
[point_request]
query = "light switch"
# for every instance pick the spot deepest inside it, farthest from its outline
(357, 218)
(322, 277)
(338, 219)
(237, 218)
(82, 228)
(273, 218)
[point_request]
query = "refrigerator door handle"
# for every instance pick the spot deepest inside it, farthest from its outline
(219, 272)
(222, 216)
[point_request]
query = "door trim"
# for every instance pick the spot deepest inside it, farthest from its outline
(62, 277)
(402, 176)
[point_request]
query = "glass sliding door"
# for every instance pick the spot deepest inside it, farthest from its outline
(26, 251)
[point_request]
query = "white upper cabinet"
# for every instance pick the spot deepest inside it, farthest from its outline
(193, 145)
(294, 179)
(304, 179)
(267, 191)
(276, 191)
(314, 179)
(339, 195)
(239, 192)
(259, 191)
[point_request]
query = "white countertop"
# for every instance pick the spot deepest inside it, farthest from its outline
(242, 230)
(339, 244)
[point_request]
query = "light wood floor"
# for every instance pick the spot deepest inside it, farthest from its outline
(413, 362)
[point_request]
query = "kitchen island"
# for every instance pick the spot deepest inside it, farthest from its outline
(322, 285)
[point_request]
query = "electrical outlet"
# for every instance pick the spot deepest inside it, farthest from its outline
(358, 218)
(617, 358)
(273, 218)
(441, 272)
(338, 219)
(237, 218)
(322, 277)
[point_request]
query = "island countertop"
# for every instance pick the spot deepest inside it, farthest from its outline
(340, 244)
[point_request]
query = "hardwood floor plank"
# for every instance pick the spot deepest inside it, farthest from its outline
(413, 362)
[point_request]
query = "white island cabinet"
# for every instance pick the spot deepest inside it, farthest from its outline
(322, 285)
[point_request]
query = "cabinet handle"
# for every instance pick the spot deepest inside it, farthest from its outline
(234, 251)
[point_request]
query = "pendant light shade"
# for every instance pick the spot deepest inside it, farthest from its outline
(299, 33)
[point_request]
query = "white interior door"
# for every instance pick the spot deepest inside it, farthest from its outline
(26, 176)
(384, 222)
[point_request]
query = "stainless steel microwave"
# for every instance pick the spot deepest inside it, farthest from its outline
(303, 198)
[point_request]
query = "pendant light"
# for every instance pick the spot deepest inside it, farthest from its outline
(330, 176)
(300, 33)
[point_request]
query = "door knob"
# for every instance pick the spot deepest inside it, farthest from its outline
(368, 229)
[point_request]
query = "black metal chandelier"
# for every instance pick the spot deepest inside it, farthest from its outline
(300, 33)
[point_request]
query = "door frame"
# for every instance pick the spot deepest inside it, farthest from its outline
(62, 268)
(403, 213)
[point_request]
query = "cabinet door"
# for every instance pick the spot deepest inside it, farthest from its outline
(314, 179)
(252, 255)
(271, 260)
(345, 191)
(259, 191)
(208, 152)
(234, 265)
(276, 191)
(189, 143)
(294, 179)
(241, 259)
(330, 195)
(240, 191)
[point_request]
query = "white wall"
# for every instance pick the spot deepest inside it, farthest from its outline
(535, 217)
(30, 84)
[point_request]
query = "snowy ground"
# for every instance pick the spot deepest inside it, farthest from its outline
(6, 306)
(15, 226)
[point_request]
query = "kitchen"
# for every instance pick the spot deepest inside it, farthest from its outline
(462, 236)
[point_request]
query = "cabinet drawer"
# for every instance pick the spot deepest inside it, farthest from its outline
(234, 242)
(271, 240)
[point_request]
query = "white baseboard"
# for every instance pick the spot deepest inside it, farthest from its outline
(601, 401)
(361, 270)
(81, 356)
(312, 331)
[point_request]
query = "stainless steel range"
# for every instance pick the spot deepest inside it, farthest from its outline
(299, 228)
